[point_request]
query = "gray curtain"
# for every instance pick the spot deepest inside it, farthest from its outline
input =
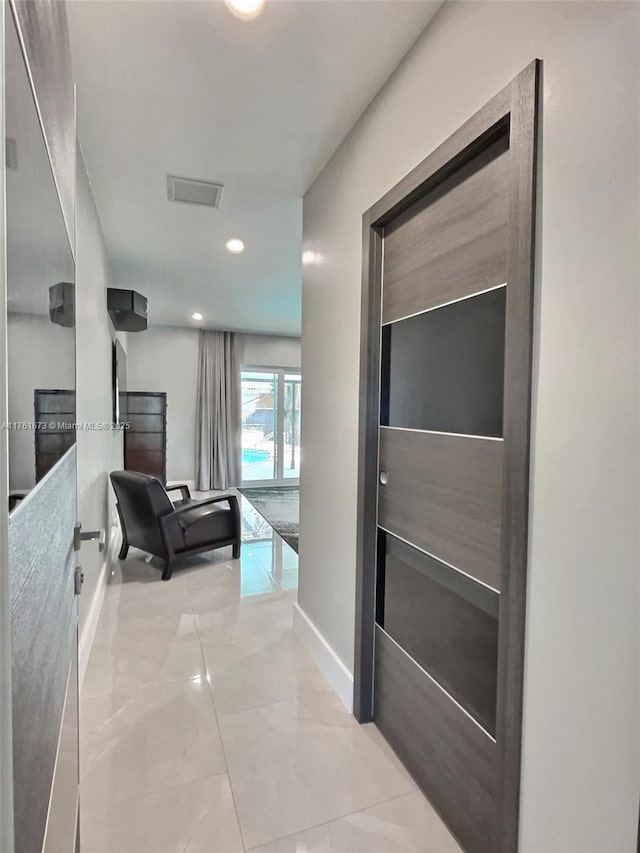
(218, 427)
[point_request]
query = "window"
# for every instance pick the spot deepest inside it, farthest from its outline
(270, 426)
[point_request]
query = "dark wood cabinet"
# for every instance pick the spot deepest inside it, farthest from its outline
(55, 414)
(145, 441)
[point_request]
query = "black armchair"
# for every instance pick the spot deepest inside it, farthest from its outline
(151, 522)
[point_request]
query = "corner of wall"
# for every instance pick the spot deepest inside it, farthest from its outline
(333, 669)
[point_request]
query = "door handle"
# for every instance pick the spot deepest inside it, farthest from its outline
(384, 478)
(78, 580)
(80, 536)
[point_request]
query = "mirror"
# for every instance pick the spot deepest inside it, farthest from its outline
(40, 295)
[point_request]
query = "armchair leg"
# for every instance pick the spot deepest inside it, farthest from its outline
(235, 509)
(167, 571)
(124, 548)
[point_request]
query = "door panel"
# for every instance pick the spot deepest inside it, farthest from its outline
(42, 475)
(43, 642)
(459, 239)
(443, 495)
(446, 622)
(444, 369)
(442, 747)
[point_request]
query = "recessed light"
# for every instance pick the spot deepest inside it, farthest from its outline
(235, 246)
(197, 316)
(245, 9)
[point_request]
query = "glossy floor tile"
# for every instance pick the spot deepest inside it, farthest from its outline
(206, 726)
(195, 818)
(302, 762)
(163, 736)
(126, 666)
(244, 677)
(407, 824)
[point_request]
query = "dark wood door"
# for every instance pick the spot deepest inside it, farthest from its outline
(145, 441)
(446, 352)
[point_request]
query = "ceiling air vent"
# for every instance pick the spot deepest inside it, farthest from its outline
(194, 192)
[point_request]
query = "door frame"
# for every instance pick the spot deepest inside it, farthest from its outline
(514, 110)
(279, 479)
(6, 727)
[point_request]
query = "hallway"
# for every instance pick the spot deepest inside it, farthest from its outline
(207, 728)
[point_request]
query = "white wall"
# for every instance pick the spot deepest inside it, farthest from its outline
(268, 351)
(99, 451)
(581, 746)
(165, 358)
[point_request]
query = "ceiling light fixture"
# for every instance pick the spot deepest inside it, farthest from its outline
(197, 316)
(246, 10)
(235, 246)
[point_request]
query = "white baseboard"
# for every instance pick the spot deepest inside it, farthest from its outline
(88, 633)
(87, 636)
(333, 669)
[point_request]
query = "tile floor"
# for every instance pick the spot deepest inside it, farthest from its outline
(207, 728)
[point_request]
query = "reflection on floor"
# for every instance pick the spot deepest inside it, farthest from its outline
(207, 728)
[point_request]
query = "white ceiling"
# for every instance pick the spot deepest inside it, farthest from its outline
(185, 88)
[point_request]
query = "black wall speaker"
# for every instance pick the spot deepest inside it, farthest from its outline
(128, 310)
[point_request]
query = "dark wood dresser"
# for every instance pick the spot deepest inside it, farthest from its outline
(145, 442)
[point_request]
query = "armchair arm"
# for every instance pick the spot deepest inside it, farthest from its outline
(173, 529)
(186, 494)
(233, 504)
